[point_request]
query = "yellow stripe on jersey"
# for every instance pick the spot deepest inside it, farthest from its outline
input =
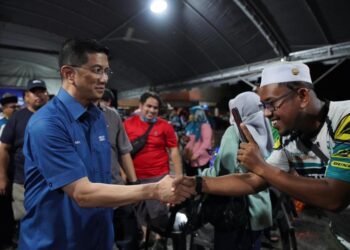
(343, 130)
(278, 144)
(340, 164)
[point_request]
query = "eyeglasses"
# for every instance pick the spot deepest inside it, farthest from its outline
(270, 106)
(97, 70)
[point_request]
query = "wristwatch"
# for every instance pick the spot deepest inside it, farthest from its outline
(133, 182)
(199, 182)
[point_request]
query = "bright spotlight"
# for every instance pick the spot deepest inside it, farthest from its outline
(158, 6)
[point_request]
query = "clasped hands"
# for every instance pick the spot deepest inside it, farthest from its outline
(175, 189)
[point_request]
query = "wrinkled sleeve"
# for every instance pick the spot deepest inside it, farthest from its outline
(339, 164)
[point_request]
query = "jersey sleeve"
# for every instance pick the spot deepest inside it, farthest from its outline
(339, 163)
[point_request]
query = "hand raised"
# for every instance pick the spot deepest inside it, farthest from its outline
(249, 154)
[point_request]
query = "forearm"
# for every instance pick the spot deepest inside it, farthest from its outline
(128, 167)
(4, 162)
(107, 195)
(324, 193)
(233, 184)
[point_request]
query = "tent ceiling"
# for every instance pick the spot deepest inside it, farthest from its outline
(195, 42)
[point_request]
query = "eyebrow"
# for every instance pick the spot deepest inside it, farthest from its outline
(152, 105)
(100, 66)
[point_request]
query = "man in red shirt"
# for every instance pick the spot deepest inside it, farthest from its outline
(152, 161)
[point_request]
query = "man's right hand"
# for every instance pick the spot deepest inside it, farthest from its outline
(3, 185)
(174, 190)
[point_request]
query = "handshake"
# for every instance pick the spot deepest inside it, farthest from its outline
(174, 190)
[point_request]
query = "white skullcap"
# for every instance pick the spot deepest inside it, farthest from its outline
(285, 72)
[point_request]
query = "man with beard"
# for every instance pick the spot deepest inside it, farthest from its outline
(314, 144)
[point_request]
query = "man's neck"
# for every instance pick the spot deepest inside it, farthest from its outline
(316, 121)
(31, 109)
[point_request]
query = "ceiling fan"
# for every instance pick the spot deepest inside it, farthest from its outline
(128, 37)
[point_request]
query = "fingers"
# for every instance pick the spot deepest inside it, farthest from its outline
(246, 132)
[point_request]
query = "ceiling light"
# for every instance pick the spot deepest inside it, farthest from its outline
(158, 6)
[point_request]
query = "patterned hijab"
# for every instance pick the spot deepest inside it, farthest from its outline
(253, 117)
(198, 118)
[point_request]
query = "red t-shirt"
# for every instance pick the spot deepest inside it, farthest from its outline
(152, 160)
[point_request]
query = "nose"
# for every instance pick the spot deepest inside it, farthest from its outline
(104, 77)
(267, 112)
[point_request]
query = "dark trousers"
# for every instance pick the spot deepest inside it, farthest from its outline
(237, 240)
(7, 222)
(126, 230)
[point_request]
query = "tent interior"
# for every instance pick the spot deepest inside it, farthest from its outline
(206, 50)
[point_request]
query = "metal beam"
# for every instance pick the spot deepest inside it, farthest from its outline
(259, 24)
(233, 75)
(28, 49)
(329, 71)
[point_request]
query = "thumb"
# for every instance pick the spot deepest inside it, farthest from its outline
(247, 134)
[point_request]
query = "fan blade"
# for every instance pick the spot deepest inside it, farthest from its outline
(129, 33)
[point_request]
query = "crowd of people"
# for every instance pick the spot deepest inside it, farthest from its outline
(75, 175)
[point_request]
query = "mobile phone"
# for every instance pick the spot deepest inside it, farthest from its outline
(237, 117)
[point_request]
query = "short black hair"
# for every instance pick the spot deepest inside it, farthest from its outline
(148, 94)
(74, 51)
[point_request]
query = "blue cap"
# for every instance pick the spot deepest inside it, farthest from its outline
(36, 84)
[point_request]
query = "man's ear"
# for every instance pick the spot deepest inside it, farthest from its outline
(67, 73)
(304, 96)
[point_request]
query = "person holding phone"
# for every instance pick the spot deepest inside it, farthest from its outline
(260, 215)
(291, 104)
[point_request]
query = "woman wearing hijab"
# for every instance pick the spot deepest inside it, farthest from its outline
(200, 135)
(260, 214)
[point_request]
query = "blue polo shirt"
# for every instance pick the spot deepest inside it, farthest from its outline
(63, 143)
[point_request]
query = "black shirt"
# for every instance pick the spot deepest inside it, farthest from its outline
(13, 134)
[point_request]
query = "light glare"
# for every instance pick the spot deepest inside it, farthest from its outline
(158, 6)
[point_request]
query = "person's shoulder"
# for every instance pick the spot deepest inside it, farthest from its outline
(132, 119)
(339, 114)
(230, 130)
(339, 106)
(110, 111)
(163, 122)
(231, 134)
(49, 113)
(20, 113)
(3, 121)
(338, 110)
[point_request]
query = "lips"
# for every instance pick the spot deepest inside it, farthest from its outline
(100, 90)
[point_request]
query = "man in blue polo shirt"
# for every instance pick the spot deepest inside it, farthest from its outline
(68, 197)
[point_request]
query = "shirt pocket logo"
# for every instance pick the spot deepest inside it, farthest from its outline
(101, 138)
